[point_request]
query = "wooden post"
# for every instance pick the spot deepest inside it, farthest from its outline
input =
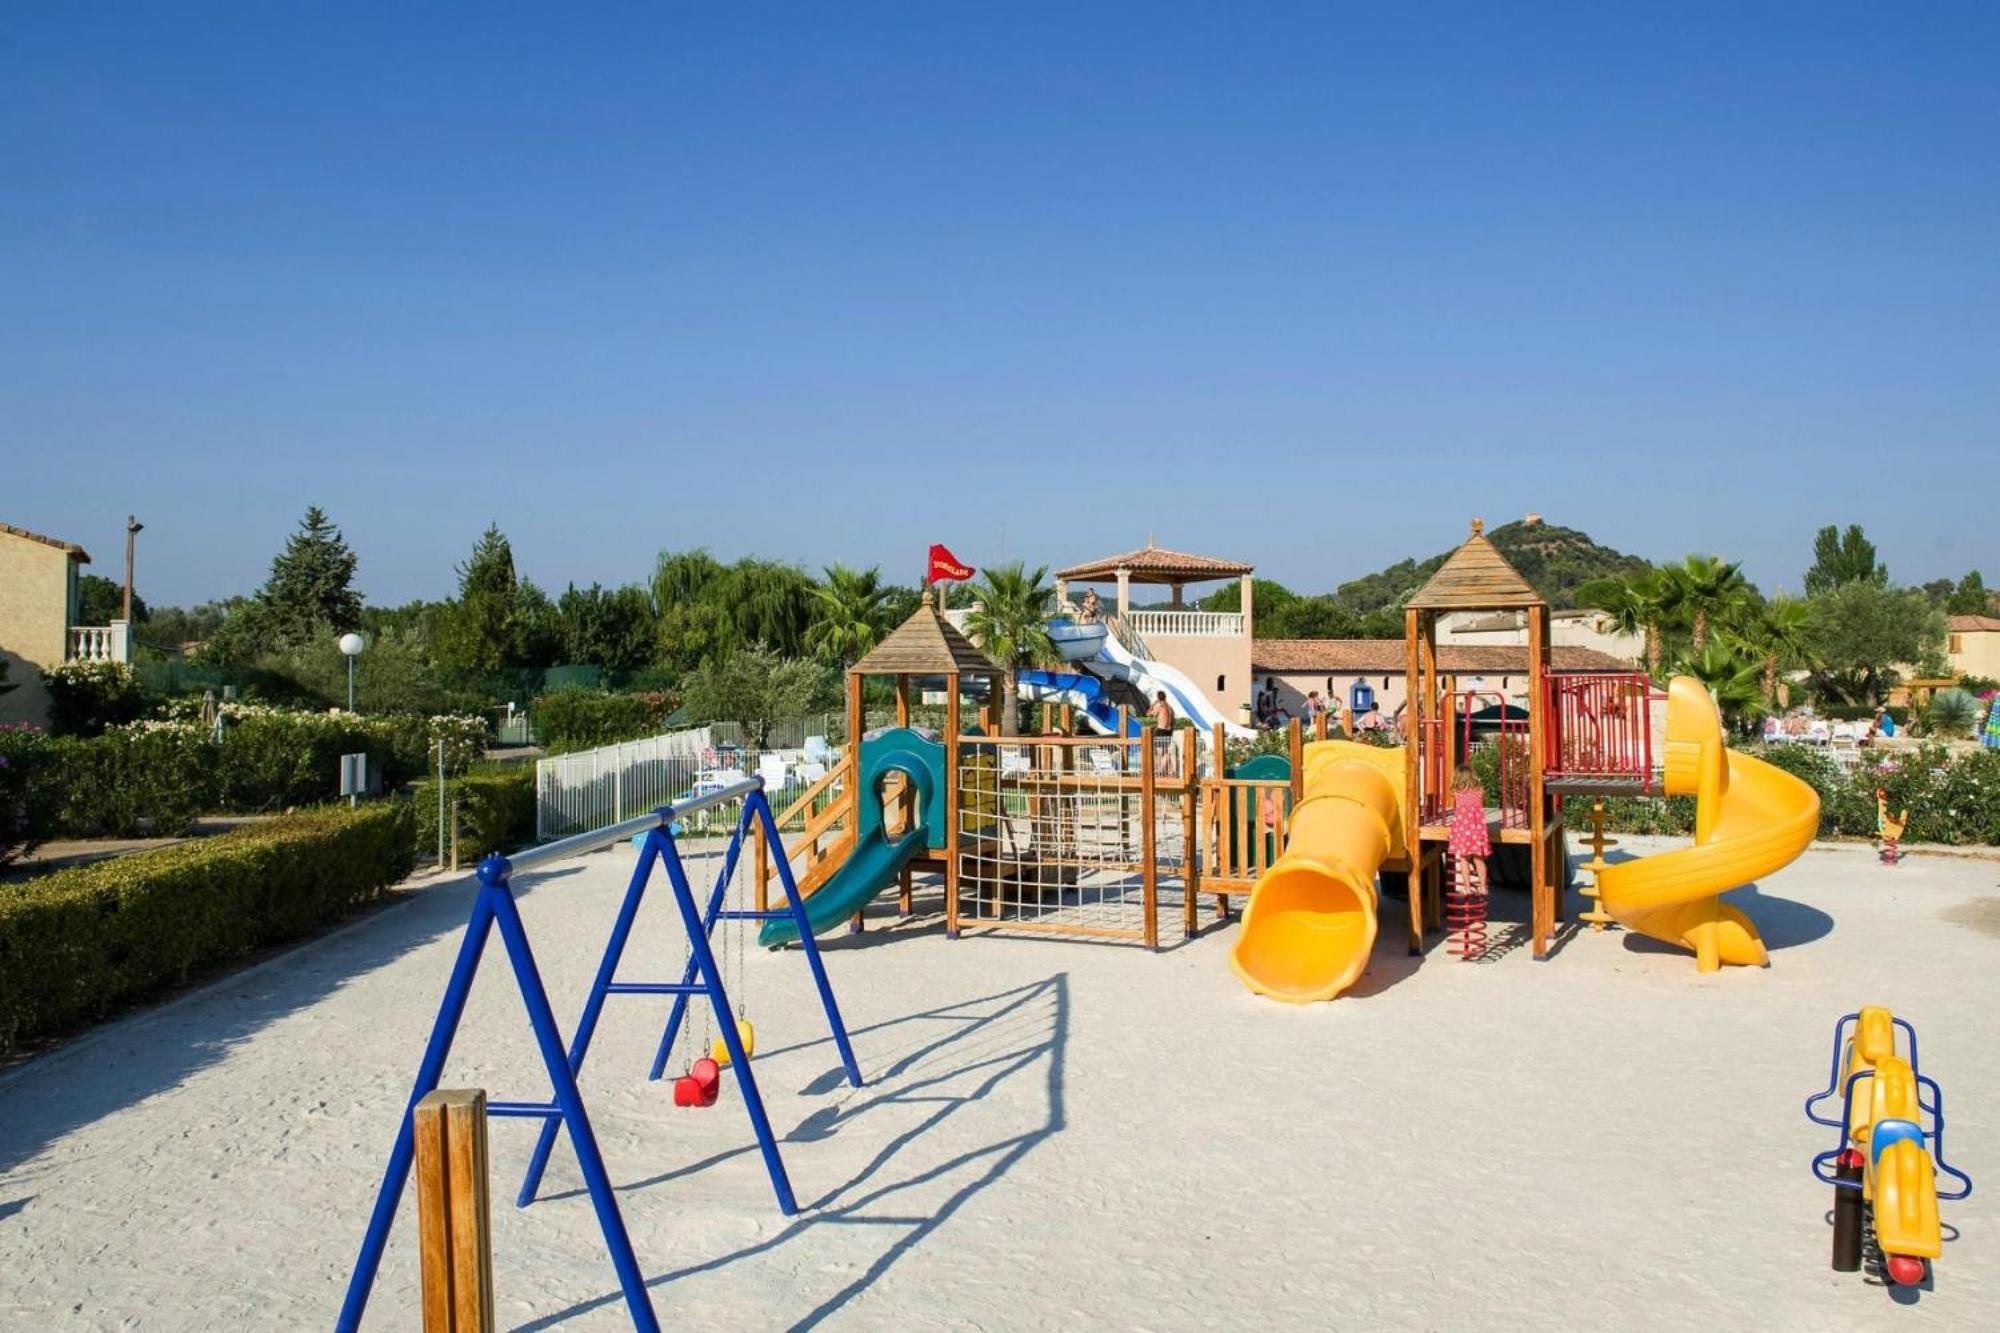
(454, 1213)
(1297, 746)
(1414, 709)
(951, 798)
(1544, 892)
(454, 832)
(1319, 726)
(763, 864)
(1190, 855)
(903, 700)
(1218, 806)
(1149, 873)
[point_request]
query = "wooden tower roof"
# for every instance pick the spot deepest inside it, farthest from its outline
(1476, 577)
(925, 645)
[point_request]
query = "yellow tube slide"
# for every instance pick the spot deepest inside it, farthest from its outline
(1311, 920)
(1751, 819)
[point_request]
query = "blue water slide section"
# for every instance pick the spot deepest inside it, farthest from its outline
(1087, 691)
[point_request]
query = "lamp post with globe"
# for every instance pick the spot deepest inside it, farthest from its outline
(351, 644)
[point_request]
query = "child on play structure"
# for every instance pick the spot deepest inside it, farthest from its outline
(1468, 841)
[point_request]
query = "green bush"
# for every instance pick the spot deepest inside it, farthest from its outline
(77, 944)
(1953, 800)
(85, 698)
(13, 792)
(496, 812)
(129, 782)
(570, 719)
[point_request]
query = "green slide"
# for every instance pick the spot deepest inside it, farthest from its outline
(877, 859)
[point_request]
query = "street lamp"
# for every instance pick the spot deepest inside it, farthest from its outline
(351, 644)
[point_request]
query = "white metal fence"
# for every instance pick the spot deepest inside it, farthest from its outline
(575, 793)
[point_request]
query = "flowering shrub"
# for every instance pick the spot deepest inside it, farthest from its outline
(1954, 800)
(159, 774)
(87, 697)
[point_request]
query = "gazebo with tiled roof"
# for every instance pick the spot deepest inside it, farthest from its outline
(1156, 565)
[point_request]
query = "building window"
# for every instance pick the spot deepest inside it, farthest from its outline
(1221, 684)
(1955, 644)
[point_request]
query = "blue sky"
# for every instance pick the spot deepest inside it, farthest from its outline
(1306, 286)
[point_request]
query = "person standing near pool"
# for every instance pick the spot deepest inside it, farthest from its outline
(1162, 715)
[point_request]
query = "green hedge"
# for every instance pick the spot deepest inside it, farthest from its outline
(580, 719)
(158, 776)
(496, 812)
(129, 782)
(78, 944)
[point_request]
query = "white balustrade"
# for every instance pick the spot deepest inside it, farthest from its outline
(1188, 624)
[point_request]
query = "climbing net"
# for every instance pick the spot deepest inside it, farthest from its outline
(1069, 836)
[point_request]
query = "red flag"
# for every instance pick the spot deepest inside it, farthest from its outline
(945, 566)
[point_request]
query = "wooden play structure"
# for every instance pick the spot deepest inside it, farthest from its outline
(1100, 838)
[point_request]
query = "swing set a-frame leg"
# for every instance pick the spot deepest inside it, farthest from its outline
(495, 906)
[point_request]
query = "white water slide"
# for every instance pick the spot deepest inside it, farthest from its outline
(1151, 678)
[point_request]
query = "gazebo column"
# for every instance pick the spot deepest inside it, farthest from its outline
(1243, 603)
(1062, 592)
(1124, 592)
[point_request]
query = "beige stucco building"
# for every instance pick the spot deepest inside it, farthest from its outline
(1334, 666)
(1576, 628)
(1211, 648)
(1972, 646)
(38, 612)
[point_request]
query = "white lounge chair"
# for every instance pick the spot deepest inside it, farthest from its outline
(1818, 733)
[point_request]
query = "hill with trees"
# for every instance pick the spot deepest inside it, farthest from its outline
(1554, 559)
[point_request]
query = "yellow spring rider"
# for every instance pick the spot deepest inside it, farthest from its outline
(1883, 1169)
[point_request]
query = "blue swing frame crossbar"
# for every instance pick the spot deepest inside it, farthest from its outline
(494, 906)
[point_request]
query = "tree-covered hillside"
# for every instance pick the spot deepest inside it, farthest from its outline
(1556, 560)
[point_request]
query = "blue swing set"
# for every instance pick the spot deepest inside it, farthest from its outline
(494, 907)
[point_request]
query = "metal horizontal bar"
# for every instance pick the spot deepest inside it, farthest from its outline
(735, 914)
(543, 1110)
(563, 848)
(655, 988)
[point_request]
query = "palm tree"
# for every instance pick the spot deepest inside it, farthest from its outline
(849, 614)
(1009, 622)
(1703, 589)
(1732, 679)
(1780, 633)
(1634, 606)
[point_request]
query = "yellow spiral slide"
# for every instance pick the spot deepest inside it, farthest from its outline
(1311, 920)
(1751, 819)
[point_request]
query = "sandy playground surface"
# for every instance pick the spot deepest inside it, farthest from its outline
(1054, 1134)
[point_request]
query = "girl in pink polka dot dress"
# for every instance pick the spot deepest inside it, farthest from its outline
(1469, 841)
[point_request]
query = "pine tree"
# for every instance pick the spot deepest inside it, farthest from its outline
(310, 591)
(483, 629)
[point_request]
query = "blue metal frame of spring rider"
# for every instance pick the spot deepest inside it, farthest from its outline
(660, 846)
(494, 905)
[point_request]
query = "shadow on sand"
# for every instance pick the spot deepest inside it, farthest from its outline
(986, 1042)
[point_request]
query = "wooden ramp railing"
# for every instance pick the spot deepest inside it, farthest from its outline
(823, 813)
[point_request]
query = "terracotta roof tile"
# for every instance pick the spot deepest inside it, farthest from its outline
(1973, 624)
(1156, 564)
(1384, 657)
(71, 548)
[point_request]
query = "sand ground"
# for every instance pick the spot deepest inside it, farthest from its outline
(1053, 1134)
